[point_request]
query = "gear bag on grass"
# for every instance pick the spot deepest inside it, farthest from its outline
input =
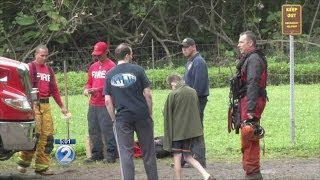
(158, 143)
(160, 152)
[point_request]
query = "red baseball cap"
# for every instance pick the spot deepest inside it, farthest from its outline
(100, 48)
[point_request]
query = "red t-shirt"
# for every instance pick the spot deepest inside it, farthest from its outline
(43, 79)
(96, 77)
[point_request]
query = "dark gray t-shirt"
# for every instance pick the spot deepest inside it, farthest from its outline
(125, 84)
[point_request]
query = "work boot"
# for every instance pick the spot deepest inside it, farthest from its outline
(254, 176)
(46, 172)
(22, 169)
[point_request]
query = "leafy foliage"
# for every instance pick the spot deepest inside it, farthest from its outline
(74, 25)
(30, 23)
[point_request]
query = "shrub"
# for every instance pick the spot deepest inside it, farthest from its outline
(76, 82)
(279, 73)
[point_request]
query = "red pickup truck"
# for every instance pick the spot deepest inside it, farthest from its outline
(17, 123)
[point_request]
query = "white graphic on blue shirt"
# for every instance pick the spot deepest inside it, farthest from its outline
(189, 66)
(123, 80)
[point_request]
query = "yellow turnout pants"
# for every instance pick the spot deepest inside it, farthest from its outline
(44, 134)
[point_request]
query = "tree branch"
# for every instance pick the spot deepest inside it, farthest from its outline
(313, 21)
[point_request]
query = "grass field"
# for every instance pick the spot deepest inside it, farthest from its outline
(220, 144)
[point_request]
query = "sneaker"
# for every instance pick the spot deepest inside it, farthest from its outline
(109, 160)
(182, 164)
(46, 172)
(210, 178)
(186, 165)
(172, 165)
(254, 176)
(21, 169)
(91, 160)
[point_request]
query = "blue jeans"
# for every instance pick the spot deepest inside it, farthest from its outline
(101, 134)
(198, 144)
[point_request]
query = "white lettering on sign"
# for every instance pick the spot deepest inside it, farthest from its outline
(291, 9)
(43, 77)
(291, 15)
(99, 74)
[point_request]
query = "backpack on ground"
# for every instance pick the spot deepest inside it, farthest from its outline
(160, 152)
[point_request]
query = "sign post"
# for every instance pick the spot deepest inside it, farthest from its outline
(292, 25)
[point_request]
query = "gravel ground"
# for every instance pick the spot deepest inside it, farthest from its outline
(271, 169)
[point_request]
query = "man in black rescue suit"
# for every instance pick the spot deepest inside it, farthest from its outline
(252, 69)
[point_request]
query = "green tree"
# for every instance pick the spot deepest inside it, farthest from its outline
(25, 24)
(68, 25)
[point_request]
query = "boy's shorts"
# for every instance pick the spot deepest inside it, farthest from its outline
(182, 146)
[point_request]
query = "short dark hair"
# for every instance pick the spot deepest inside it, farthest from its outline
(122, 50)
(251, 36)
(174, 78)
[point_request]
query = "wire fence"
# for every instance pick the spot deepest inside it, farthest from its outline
(146, 56)
(156, 56)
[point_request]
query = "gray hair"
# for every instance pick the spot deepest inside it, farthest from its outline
(41, 46)
(251, 36)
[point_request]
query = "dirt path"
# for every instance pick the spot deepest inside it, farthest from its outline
(271, 169)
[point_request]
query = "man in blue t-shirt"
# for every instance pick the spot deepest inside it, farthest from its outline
(129, 102)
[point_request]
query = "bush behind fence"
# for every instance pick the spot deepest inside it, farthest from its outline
(158, 58)
(77, 80)
(221, 66)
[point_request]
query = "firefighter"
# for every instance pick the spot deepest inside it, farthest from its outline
(43, 78)
(99, 122)
(253, 79)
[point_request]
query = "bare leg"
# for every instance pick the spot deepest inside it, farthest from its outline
(196, 165)
(177, 165)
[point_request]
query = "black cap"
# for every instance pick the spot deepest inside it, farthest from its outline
(187, 42)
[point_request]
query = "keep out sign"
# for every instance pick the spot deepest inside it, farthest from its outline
(291, 19)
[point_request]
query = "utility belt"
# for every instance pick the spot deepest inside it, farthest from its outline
(43, 100)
